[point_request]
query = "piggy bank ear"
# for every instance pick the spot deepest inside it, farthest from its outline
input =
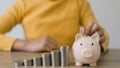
(96, 36)
(78, 36)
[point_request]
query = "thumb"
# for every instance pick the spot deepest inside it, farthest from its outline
(82, 30)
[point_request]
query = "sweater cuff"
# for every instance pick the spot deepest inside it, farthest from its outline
(6, 43)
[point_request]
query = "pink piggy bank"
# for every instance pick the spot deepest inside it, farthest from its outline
(86, 49)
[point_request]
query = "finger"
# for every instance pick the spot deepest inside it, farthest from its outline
(52, 40)
(101, 33)
(95, 28)
(88, 28)
(82, 30)
(52, 43)
(102, 39)
(47, 48)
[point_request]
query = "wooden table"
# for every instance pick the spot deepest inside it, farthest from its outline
(109, 60)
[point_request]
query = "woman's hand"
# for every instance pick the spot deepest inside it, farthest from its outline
(43, 44)
(91, 29)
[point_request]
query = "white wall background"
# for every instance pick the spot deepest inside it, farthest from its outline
(107, 13)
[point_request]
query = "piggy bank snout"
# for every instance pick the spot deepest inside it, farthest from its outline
(87, 53)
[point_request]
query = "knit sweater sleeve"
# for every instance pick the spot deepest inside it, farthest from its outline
(7, 21)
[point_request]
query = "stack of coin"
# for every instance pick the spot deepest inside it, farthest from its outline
(46, 59)
(64, 52)
(55, 58)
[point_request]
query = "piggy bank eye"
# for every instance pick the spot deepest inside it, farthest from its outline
(81, 44)
(92, 44)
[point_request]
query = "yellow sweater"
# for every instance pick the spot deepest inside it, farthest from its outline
(59, 19)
